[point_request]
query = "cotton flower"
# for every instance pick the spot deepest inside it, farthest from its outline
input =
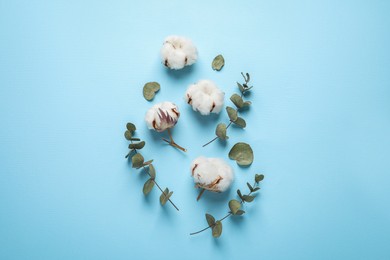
(205, 97)
(178, 52)
(164, 116)
(212, 174)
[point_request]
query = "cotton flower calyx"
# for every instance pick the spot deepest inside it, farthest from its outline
(212, 174)
(178, 52)
(164, 116)
(205, 97)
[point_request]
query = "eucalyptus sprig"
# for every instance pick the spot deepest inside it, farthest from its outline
(234, 206)
(138, 161)
(234, 118)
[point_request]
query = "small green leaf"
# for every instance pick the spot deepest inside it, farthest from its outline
(210, 220)
(246, 104)
(248, 198)
(217, 229)
(242, 153)
(259, 178)
(249, 186)
(248, 78)
(240, 212)
(147, 162)
(256, 189)
(232, 113)
(150, 90)
(148, 186)
(165, 196)
(134, 139)
(218, 63)
(240, 122)
(139, 145)
(130, 153)
(137, 160)
(221, 131)
(152, 172)
(237, 100)
(131, 127)
(241, 87)
(234, 206)
(128, 135)
(239, 194)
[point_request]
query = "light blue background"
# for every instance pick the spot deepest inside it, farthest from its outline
(71, 76)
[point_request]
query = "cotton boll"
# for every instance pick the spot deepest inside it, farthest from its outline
(212, 174)
(162, 116)
(205, 97)
(178, 52)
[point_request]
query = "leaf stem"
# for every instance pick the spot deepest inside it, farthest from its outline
(158, 186)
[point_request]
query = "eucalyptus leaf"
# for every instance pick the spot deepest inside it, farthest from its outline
(259, 178)
(242, 153)
(239, 194)
(232, 113)
(240, 212)
(139, 145)
(148, 186)
(240, 122)
(218, 63)
(237, 100)
(234, 206)
(128, 135)
(249, 186)
(221, 131)
(137, 160)
(152, 172)
(248, 78)
(134, 139)
(248, 198)
(241, 87)
(165, 196)
(256, 189)
(217, 229)
(131, 127)
(147, 162)
(210, 220)
(150, 90)
(246, 104)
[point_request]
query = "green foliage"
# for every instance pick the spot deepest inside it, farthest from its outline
(221, 131)
(218, 63)
(150, 90)
(242, 153)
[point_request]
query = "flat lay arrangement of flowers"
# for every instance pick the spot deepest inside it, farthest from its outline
(210, 174)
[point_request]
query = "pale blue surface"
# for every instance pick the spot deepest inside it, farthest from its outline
(71, 76)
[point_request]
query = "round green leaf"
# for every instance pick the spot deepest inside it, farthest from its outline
(248, 198)
(150, 90)
(139, 145)
(221, 131)
(259, 178)
(240, 122)
(237, 100)
(148, 186)
(234, 206)
(218, 63)
(240, 212)
(232, 113)
(128, 135)
(242, 153)
(131, 127)
(210, 220)
(165, 196)
(217, 229)
(152, 172)
(137, 160)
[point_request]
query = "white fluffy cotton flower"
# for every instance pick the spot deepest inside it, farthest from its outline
(162, 116)
(178, 52)
(205, 97)
(212, 174)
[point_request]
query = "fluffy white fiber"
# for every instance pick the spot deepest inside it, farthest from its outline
(162, 116)
(178, 52)
(205, 97)
(212, 174)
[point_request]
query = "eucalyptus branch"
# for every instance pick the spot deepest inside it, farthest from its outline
(138, 162)
(240, 104)
(234, 206)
